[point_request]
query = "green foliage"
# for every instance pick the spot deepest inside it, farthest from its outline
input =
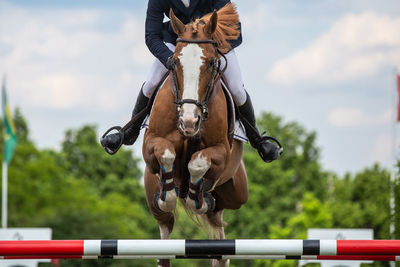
(277, 189)
(21, 127)
(83, 157)
(363, 201)
(312, 214)
(83, 193)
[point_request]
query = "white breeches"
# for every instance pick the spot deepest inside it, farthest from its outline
(232, 75)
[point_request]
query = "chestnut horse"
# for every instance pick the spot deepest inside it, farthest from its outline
(186, 146)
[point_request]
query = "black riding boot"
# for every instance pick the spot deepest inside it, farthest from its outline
(267, 150)
(112, 141)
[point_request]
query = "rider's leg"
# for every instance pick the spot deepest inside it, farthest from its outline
(233, 78)
(157, 72)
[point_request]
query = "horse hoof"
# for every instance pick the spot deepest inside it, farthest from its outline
(207, 204)
(164, 263)
(155, 200)
(208, 198)
(220, 263)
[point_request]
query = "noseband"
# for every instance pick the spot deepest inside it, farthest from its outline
(215, 75)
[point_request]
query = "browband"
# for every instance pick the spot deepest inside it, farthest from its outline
(196, 41)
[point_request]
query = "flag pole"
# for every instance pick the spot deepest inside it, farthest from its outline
(4, 183)
(10, 141)
(4, 195)
(395, 118)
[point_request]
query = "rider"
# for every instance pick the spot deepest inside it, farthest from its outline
(161, 40)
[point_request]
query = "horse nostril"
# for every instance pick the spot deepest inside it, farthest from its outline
(198, 118)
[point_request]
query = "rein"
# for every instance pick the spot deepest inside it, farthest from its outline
(215, 75)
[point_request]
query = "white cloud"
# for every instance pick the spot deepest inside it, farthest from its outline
(132, 31)
(357, 45)
(61, 58)
(53, 91)
(57, 91)
(50, 34)
(257, 19)
(352, 117)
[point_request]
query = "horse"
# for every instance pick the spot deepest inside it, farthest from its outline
(186, 148)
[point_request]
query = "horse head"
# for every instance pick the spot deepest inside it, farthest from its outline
(196, 69)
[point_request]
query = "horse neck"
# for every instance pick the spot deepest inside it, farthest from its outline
(216, 126)
(163, 109)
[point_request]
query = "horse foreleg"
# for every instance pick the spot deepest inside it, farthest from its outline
(165, 231)
(165, 220)
(166, 224)
(160, 155)
(212, 161)
(216, 222)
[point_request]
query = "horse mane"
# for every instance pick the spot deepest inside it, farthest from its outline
(227, 26)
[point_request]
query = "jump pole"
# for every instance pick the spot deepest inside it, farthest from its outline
(199, 248)
(235, 257)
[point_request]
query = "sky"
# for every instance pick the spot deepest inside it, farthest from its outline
(328, 65)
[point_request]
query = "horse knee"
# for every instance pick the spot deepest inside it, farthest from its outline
(198, 166)
(166, 158)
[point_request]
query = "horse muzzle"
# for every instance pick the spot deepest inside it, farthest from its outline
(189, 122)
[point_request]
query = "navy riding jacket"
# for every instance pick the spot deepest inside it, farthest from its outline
(158, 32)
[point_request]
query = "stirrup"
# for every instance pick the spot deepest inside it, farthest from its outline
(263, 138)
(267, 138)
(113, 151)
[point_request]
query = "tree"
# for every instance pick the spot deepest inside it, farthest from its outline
(84, 157)
(363, 201)
(80, 192)
(277, 189)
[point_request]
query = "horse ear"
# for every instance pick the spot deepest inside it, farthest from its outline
(212, 23)
(177, 25)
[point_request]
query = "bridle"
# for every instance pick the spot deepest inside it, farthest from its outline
(215, 76)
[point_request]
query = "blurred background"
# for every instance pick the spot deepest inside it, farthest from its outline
(322, 76)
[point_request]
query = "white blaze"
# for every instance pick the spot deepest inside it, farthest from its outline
(191, 61)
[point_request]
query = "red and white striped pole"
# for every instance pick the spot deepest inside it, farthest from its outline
(200, 248)
(237, 257)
